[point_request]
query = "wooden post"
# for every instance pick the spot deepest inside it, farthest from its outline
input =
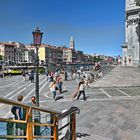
(55, 132)
(29, 131)
(52, 121)
(73, 126)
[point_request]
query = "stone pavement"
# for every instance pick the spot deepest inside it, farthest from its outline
(104, 119)
(120, 76)
(109, 113)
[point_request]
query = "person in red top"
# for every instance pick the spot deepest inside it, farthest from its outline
(59, 83)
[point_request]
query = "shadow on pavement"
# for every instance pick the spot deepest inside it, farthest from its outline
(59, 97)
(87, 97)
(80, 135)
(64, 91)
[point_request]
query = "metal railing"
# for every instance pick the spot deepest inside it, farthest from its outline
(52, 125)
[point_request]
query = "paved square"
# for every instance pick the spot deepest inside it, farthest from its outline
(111, 113)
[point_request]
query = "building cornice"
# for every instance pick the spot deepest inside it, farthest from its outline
(125, 45)
(137, 9)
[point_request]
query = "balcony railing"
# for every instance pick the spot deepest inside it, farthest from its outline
(51, 125)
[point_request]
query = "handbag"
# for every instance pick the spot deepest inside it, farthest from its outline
(75, 93)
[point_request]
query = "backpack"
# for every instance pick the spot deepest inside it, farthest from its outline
(13, 110)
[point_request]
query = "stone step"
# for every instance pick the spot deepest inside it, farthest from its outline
(120, 76)
(93, 137)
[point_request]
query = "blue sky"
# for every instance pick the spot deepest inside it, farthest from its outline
(97, 25)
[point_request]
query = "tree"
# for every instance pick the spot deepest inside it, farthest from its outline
(137, 2)
(97, 59)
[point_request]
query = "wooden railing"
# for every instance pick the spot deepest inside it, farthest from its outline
(58, 125)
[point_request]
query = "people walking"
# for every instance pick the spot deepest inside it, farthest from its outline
(53, 87)
(81, 89)
(59, 83)
(66, 75)
(125, 61)
(35, 115)
(9, 72)
(19, 114)
(79, 73)
(100, 74)
(24, 75)
(52, 77)
(74, 76)
(47, 74)
(31, 76)
(55, 75)
(87, 81)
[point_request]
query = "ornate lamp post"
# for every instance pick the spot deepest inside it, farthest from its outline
(37, 38)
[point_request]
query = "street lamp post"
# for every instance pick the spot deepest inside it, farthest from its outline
(37, 38)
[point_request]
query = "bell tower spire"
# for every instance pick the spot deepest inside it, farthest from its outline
(72, 44)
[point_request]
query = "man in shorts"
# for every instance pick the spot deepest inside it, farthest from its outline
(20, 115)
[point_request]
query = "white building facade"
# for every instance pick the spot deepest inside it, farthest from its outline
(131, 47)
